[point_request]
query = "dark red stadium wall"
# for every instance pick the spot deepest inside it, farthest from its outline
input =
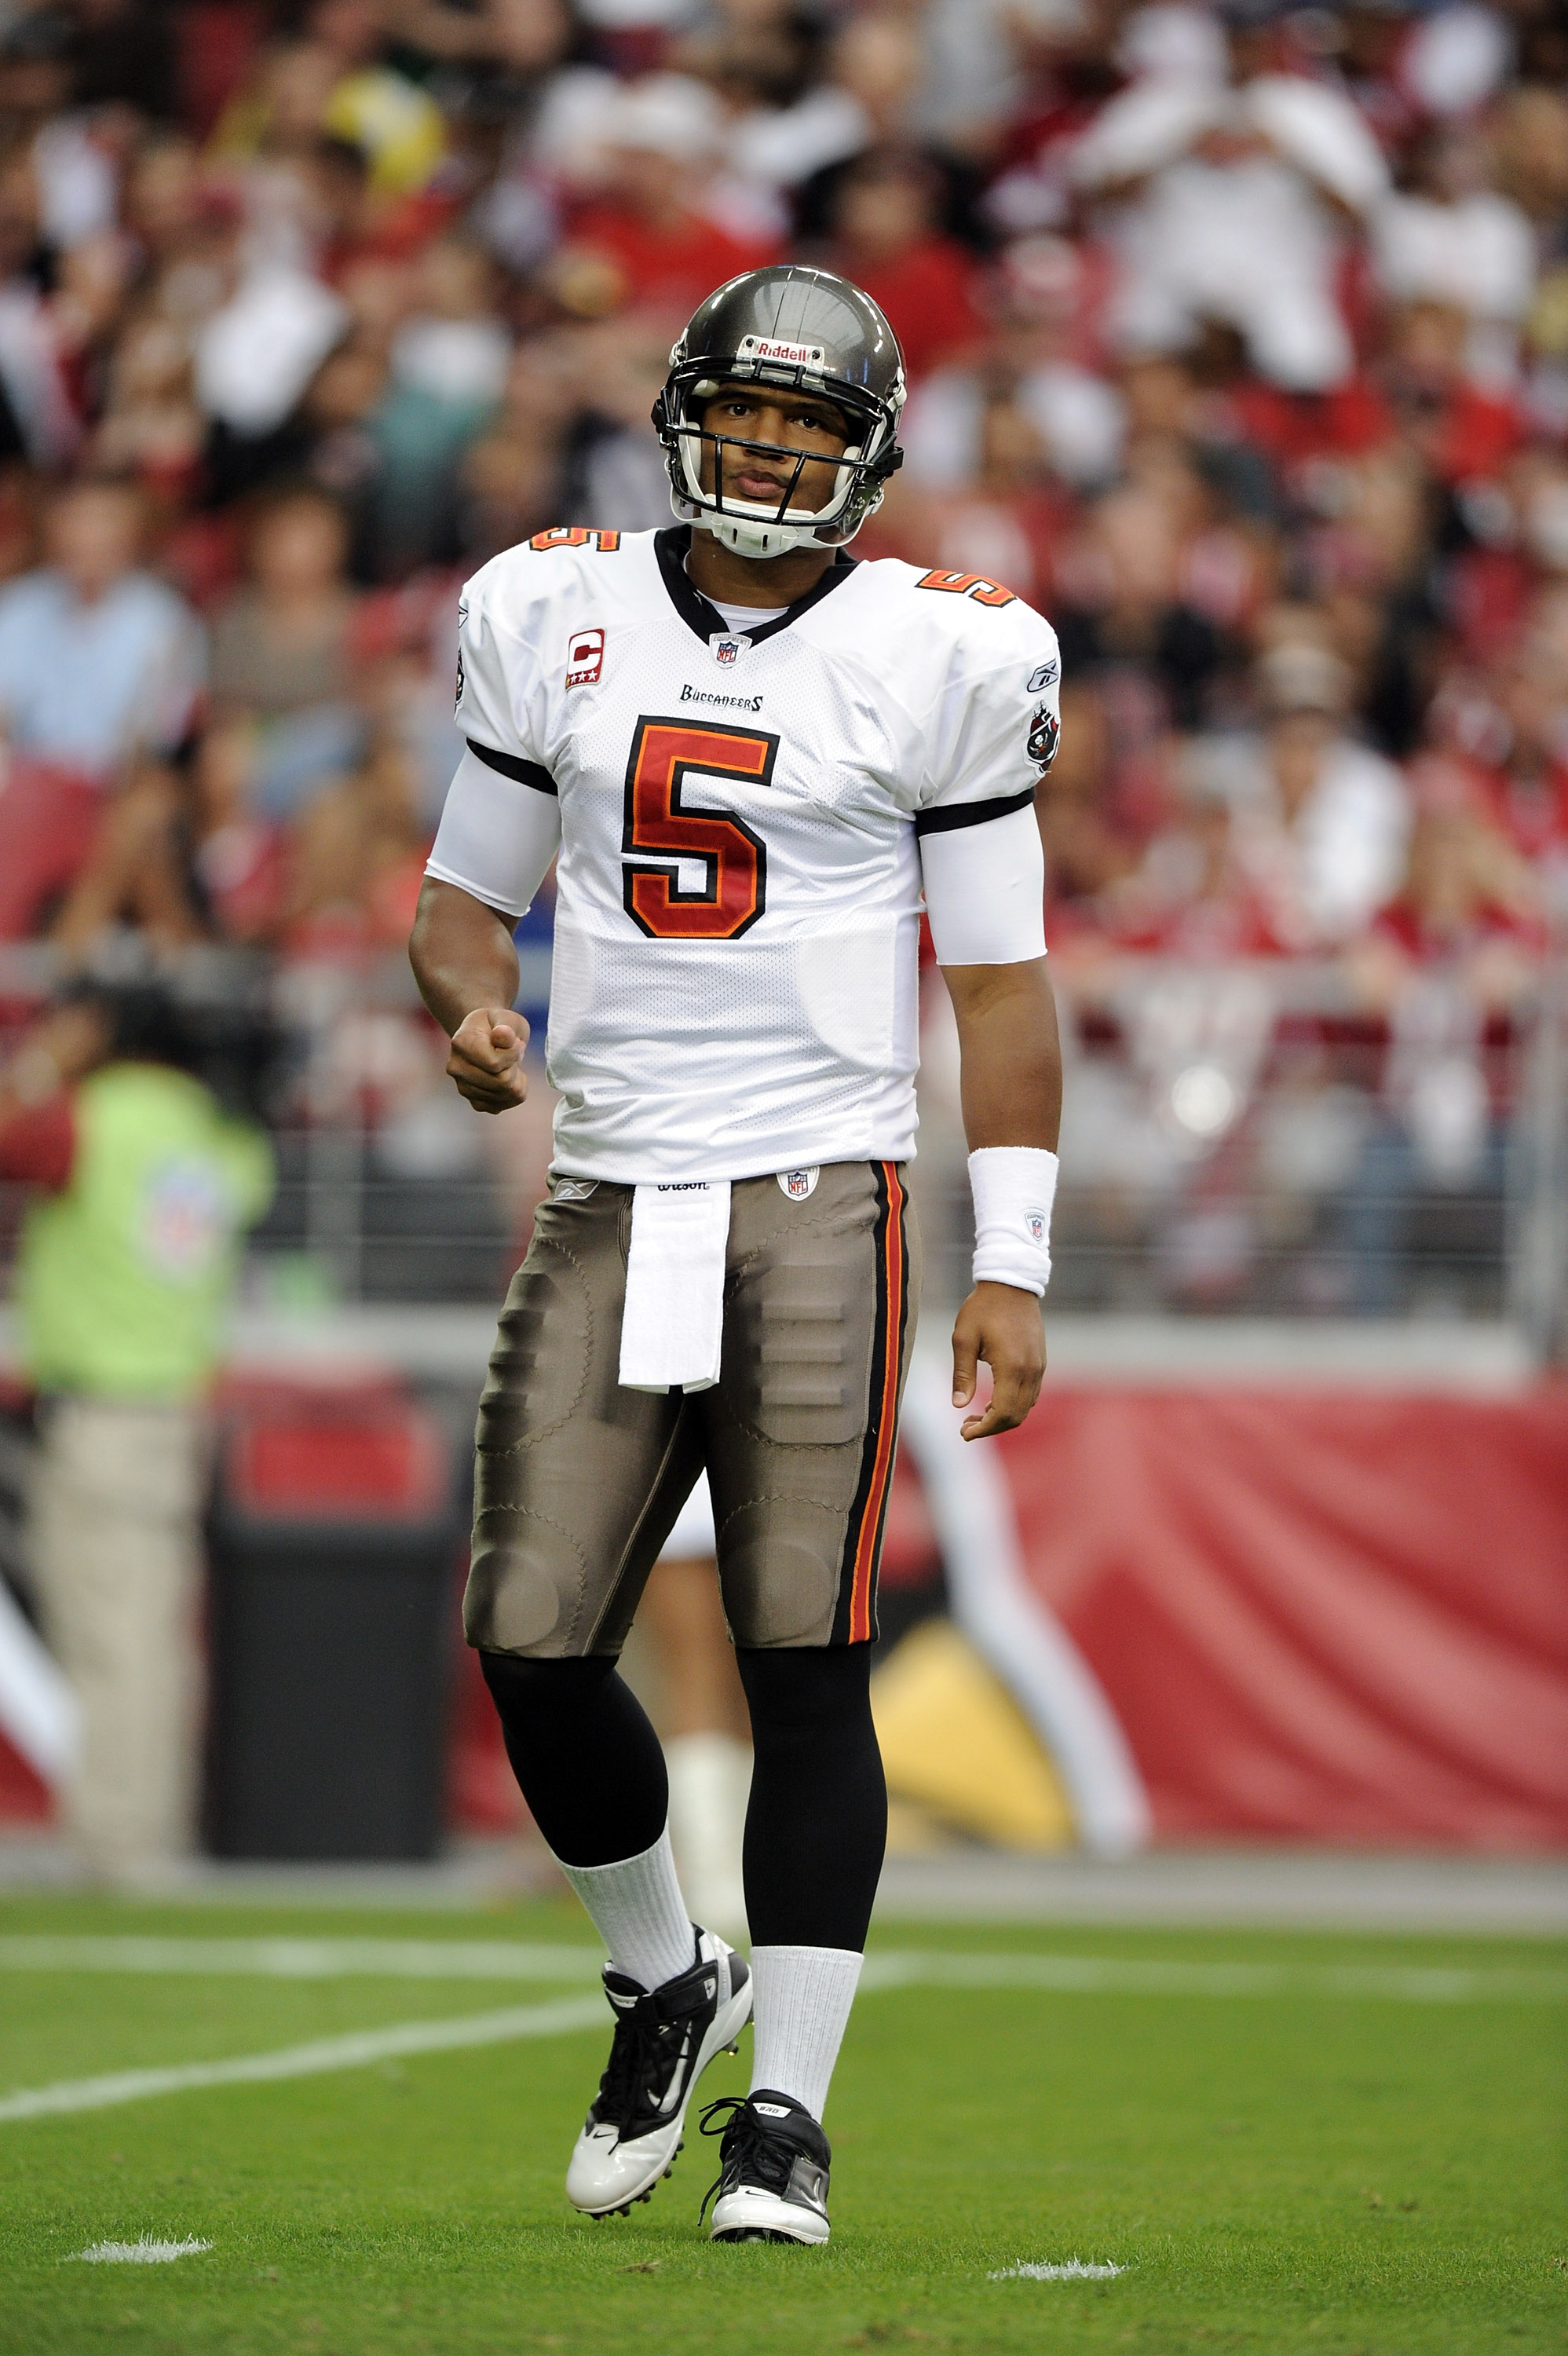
(24, 1798)
(1318, 1615)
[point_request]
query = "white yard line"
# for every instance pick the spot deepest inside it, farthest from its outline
(145, 2252)
(351, 2053)
(1071, 2270)
(308, 1959)
(503, 1959)
(1117, 1976)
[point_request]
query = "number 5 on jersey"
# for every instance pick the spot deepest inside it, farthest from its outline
(734, 860)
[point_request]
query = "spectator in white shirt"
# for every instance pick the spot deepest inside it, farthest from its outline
(1228, 198)
(1079, 419)
(1321, 821)
(1448, 236)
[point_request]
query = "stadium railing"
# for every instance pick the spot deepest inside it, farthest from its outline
(1239, 1140)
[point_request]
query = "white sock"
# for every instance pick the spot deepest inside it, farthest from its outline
(639, 1913)
(710, 1776)
(802, 2001)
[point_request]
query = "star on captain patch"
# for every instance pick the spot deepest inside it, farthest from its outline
(584, 657)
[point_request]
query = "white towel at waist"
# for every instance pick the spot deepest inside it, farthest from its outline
(672, 1328)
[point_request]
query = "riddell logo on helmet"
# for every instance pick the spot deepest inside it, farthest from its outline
(767, 348)
(584, 657)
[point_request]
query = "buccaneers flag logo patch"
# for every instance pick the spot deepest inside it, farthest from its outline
(1044, 731)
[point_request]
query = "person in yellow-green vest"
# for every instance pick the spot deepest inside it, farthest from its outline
(142, 1186)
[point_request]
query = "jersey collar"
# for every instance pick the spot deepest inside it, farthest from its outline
(700, 614)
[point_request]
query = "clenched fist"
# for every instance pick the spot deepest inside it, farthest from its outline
(486, 1059)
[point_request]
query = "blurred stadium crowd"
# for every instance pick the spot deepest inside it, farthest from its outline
(1237, 340)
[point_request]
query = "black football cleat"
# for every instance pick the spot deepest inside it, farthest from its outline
(772, 2171)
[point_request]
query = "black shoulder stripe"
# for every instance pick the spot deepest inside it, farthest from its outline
(527, 773)
(944, 821)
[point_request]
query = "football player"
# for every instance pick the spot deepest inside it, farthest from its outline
(751, 757)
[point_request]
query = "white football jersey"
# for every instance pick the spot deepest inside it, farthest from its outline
(739, 882)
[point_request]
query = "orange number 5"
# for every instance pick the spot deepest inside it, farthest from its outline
(734, 860)
(969, 584)
(572, 535)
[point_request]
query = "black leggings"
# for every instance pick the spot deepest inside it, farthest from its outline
(592, 1771)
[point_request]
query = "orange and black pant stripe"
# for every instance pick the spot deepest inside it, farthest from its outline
(855, 1619)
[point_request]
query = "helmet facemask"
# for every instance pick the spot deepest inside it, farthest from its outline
(764, 529)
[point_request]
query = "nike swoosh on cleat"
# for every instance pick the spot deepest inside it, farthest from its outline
(671, 2094)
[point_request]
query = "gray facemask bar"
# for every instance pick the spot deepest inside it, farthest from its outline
(755, 511)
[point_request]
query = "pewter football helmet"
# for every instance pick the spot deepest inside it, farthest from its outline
(803, 330)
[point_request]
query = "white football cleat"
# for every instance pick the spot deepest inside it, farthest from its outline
(664, 2039)
(772, 2171)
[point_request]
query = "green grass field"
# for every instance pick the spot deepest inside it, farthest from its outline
(1286, 2142)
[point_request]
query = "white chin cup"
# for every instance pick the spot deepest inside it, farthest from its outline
(760, 536)
(758, 539)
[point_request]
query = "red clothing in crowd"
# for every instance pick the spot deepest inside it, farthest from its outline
(928, 294)
(1488, 595)
(1474, 434)
(1213, 930)
(1295, 428)
(242, 873)
(671, 269)
(1533, 812)
(1406, 924)
(50, 823)
(37, 1146)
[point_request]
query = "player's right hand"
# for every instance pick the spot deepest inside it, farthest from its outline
(486, 1059)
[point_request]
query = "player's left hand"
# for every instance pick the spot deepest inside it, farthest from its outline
(1004, 1325)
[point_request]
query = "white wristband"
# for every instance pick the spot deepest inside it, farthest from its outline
(1014, 1188)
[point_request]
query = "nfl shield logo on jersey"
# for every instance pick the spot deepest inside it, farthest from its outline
(585, 658)
(729, 650)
